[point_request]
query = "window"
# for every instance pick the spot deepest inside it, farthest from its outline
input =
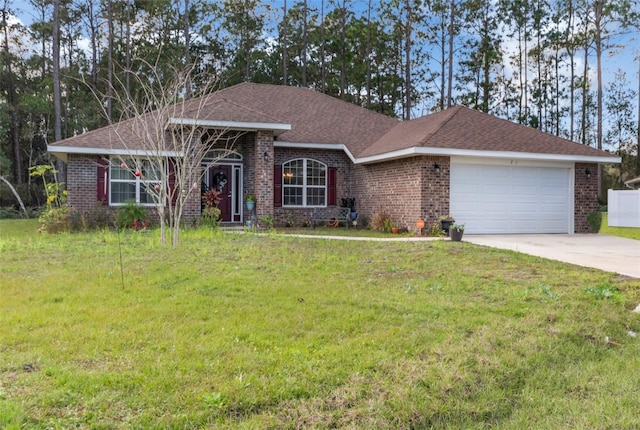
(125, 185)
(304, 183)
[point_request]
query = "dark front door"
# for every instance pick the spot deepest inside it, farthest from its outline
(220, 179)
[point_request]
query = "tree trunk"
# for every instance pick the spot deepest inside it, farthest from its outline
(407, 67)
(15, 193)
(451, 36)
(109, 61)
(598, 25)
(13, 106)
(343, 52)
(638, 147)
(598, 34)
(127, 53)
(304, 45)
(284, 46)
(323, 71)
(187, 53)
(369, 55)
(57, 103)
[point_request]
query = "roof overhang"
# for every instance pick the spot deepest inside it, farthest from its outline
(513, 155)
(632, 182)
(309, 145)
(277, 128)
(62, 151)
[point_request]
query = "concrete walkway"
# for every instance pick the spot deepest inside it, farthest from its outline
(608, 253)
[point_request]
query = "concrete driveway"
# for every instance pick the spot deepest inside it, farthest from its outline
(608, 253)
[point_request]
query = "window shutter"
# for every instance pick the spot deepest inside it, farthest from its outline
(277, 186)
(331, 189)
(103, 181)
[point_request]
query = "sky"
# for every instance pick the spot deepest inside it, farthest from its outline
(627, 59)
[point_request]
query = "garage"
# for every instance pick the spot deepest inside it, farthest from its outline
(511, 198)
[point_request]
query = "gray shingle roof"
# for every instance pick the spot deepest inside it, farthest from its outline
(467, 129)
(319, 118)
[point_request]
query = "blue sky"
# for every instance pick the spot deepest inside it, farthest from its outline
(622, 57)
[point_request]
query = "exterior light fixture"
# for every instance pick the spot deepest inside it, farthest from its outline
(265, 156)
(436, 168)
(588, 173)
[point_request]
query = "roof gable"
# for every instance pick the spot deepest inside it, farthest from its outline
(314, 117)
(461, 128)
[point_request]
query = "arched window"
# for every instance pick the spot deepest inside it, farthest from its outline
(304, 183)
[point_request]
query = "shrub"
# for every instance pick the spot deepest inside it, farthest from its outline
(100, 216)
(381, 221)
(131, 215)
(594, 219)
(56, 219)
(267, 221)
(210, 216)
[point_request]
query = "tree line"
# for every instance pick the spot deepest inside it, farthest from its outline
(534, 62)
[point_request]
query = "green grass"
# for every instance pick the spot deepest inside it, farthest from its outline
(628, 232)
(340, 231)
(248, 331)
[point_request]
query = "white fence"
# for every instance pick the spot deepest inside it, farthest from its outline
(624, 208)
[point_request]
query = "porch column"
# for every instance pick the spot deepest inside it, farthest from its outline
(193, 177)
(263, 179)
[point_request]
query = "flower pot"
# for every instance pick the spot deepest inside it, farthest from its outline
(395, 230)
(446, 224)
(456, 235)
(251, 205)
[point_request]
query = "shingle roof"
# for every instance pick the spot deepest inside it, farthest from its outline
(319, 118)
(314, 117)
(467, 129)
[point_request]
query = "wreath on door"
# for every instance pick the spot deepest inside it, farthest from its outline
(219, 181)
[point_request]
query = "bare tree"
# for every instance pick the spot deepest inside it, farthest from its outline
(165, 144)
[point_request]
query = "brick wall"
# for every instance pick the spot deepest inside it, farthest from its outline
(263, 155)
(82, 182)
(393, 188)
(436, 195)
(407, 190)
(331, 158)
(585, 196)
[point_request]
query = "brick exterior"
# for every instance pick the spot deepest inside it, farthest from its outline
(586, 195)
(82, 182)
(263, 154)
(406, 189)
(337, 159)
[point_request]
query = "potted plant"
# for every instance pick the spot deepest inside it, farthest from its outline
(446, 221)
(251, 201)
(456, 231)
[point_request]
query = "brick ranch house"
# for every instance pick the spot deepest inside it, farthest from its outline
(301, 150)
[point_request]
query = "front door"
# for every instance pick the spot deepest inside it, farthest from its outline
(220, 178)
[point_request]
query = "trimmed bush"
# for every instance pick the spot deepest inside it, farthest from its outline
(131, 215)
(594, 219)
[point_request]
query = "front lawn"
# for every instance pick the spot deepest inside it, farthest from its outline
(265, 331)
(628, 232)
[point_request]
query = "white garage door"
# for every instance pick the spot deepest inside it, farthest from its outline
(491, 199)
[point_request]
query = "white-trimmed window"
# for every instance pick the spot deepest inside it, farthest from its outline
(304, 183)
(125, 185)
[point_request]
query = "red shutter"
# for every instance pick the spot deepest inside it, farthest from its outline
(331, 197)
(103, 181)
(277, 186)
(172, 193)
